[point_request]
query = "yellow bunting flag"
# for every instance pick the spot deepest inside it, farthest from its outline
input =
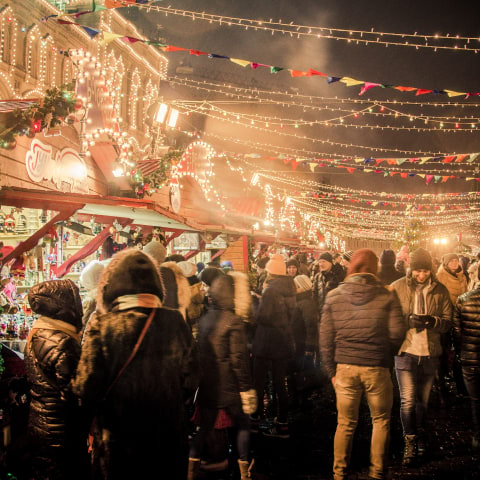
(243, 63)
(109, 37)
(350, 82)
(312, 166)
(451, 93)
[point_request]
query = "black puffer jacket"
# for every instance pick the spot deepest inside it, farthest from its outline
(57, 426)
(387, 274)
(222, 343)
(466, 328)
(325, 282)
(141, 424)
(305, 323)
(273, 335)
(362, 324)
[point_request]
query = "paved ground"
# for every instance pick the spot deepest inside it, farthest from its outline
(307, 455)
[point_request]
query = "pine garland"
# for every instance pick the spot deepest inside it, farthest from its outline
(148, 184)
(51, 111)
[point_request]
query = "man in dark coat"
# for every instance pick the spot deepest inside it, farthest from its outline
(140, 414)
(466, 335)
(225, 381)
(328, 278)
(387, 273)
(273, 344)
(362, 326)
(57, 427)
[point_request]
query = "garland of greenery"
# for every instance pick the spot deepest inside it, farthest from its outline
(149, 184)
(52, 110)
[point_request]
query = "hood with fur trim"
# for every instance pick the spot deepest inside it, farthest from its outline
(176, 286)
(130, 272)
(232, 292)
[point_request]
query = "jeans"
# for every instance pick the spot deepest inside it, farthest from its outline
(415, 377)
(279, 372)
(207, 423)
(351, 381)
(471, 377)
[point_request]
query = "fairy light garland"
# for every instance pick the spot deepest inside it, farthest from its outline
(359, 37)
(8, 36)
(200, 84)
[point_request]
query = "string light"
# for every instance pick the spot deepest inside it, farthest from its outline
(360, 37)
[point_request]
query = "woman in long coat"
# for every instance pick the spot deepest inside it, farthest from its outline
(140, 415)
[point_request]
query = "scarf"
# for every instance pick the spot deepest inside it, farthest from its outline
(48, 323)
(143, 300)
(419, 297)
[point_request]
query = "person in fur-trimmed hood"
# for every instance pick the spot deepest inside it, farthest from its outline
(140, 414)
(176, 288)
(57, 426)
(451, 275)
(225, 382)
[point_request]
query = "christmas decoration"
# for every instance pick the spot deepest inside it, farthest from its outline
(48, 112)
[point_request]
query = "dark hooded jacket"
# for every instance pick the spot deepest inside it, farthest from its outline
(387, 274)
(305, 323)
(57, 427)
(466, 328)
(273, 335)
(140, 423)
(222, 343)
(362, 324)
(325, 282)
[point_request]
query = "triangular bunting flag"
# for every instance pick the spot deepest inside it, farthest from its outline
(451, 93)
(350, 82)
(242, 63)
(109, 37)
(429, 178)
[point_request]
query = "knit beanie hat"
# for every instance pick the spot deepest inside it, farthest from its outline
(363, 260)
(448, 257)
(326, 256)
(209, 274)
(347, 255)
(262, 262)
(420, 259)
(388, 257)
(91, 274)
(130, 271)
(276, 265)
(293, 262)
(188, 268)
(303, 282)
(156, 250)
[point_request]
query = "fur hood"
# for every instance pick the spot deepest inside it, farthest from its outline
(176, 286)
(129, 272)
(232, 292)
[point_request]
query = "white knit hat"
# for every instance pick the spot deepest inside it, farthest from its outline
(156, 250)
(303, 282)
(91, 274)
(276, 265)
(188, 268)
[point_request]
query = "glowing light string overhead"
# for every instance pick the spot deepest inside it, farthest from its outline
(348, 81)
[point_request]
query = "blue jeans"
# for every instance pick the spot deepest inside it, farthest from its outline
(415, 377)
(351, 382)
(471, 377)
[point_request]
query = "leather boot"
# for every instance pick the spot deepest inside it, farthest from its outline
(245, 469)
(410, 449)
(193, 468)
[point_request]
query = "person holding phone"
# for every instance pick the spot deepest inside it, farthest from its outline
(427, 307)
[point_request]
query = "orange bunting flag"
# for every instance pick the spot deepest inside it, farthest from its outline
(171, 48)
(405, 89)
(448, 159)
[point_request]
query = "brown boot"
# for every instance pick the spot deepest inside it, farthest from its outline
(410, 449)
(245, 469)
(193, 468)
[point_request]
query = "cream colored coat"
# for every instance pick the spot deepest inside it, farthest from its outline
(456, 285)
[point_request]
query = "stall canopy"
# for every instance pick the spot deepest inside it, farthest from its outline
(106, 210)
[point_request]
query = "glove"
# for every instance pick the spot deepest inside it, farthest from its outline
(429, 321)
(249, 401)
(416, 321)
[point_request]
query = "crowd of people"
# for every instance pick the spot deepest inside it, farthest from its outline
(165, 354)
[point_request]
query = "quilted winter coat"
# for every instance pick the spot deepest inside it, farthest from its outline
(57, 426)
(466, 328)
(362, 324)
